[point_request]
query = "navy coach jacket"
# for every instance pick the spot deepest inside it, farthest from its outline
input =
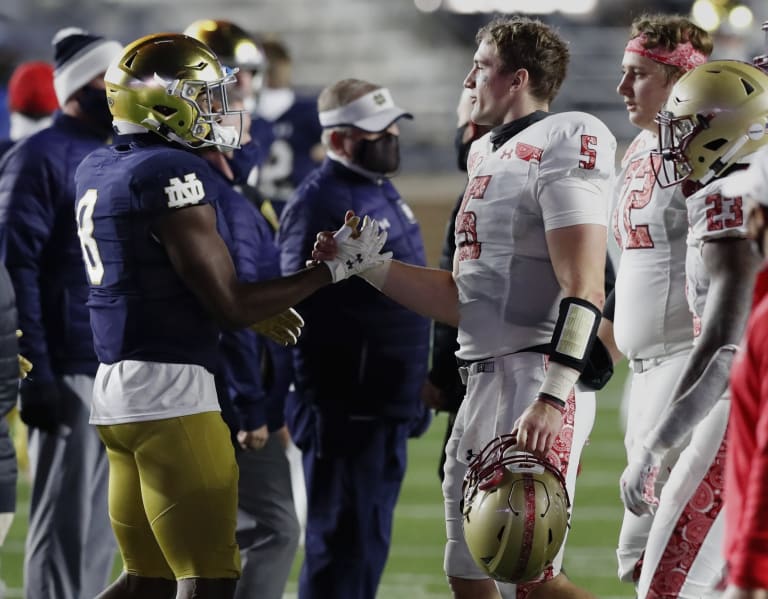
(360, 354)
(38, 234)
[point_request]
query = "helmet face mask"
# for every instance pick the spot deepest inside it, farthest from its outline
(515, 513)
(173, 85)
(670, 162)
(716, 115)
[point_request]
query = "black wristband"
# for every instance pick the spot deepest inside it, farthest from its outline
(574, 333)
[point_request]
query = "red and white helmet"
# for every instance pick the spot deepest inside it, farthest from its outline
(516, 511)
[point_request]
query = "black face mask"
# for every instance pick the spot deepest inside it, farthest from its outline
(461, 147)
(381, 155)
(93, 103)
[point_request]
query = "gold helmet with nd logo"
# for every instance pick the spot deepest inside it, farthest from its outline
(516, 512)
(175, 86)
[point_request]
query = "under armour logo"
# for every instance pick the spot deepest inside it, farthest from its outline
(379, 99)
(351, 263)
(185, 193)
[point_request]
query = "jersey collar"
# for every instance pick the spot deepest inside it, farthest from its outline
(503, 133)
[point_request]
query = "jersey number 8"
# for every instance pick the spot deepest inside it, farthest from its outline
(84, 214)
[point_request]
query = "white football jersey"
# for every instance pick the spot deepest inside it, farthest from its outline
(555, 173)
(711, 216)
(650, 224)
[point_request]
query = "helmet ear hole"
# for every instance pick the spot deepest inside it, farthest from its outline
(715, 144)
(167, 111)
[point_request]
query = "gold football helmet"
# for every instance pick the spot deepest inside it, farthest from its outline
(233, 46)
(174, 85)
(716, 114)
(516, 512)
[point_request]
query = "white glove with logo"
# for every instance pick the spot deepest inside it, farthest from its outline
(283, 328)
(638, 481)
(357, 251)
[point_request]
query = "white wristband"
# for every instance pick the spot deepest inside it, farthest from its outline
(377, 275)
(559, 381)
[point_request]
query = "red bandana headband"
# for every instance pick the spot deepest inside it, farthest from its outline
(684, 56)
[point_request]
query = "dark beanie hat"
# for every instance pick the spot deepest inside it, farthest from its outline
(79, 57)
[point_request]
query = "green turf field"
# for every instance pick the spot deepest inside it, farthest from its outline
(414, 570)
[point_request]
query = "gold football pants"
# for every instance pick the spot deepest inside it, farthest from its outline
(173, 496)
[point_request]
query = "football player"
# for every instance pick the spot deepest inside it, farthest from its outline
(651, 323)
(162, 285)
(526, 291)
(237, 49)
(714, 119)
(294, 147)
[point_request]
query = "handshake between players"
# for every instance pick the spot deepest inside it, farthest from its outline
(346, 252)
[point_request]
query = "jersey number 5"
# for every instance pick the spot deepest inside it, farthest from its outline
(84, 214)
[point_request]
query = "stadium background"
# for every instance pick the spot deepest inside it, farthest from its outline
(421, 50)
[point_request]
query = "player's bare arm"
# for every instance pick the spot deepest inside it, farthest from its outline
(430, 292)
(200, 257)
(732, 265)
(578, 258)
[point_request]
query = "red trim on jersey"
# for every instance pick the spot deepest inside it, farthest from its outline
(528, 152)
(690, 531)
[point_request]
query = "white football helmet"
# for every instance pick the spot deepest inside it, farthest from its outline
(516, 511)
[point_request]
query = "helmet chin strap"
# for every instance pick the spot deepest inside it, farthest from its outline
(721, 163)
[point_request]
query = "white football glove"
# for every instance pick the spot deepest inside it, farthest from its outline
(283, 328)
(357, 251)
(638, 481)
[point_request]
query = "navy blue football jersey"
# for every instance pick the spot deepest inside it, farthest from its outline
(140, 308)
(295, 133)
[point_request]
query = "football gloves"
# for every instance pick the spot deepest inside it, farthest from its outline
(283, 328)
(357, 250)
(637, 486)
(41, 405)
(24, 365)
